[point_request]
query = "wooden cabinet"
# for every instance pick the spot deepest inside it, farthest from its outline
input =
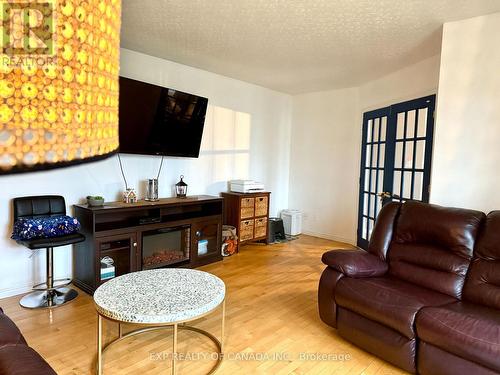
(171, 232)
(249, 214)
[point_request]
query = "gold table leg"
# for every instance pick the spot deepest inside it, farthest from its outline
(174, 350)
(99, 344)
(223, 323)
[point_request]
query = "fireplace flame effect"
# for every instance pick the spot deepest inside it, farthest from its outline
(164, 256)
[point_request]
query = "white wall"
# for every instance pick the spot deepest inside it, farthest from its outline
(266, 111)
(467, 156)
(326, 140)
(324, 162)
(414, 81)
(247, 135)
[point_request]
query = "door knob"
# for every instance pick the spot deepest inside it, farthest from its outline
(384, 195)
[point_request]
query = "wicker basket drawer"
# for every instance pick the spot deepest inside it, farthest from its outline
(260, 227)
(247, 202)
(246, 230)
(261, 204)
(247, 212)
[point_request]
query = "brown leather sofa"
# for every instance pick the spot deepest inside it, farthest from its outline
(426, 295)
(16, 357)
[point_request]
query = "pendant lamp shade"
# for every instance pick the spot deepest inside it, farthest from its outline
(59, 69)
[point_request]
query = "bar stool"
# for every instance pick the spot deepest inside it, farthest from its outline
(52, 293)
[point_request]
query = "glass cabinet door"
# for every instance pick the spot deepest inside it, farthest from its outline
(117, 255)
(206, 239)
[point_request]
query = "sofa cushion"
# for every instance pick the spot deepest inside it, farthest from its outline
(432, 246)
(429, 266)
(9, 333)
(464, 329)
(22, 360)
(453, 229)
(435, 361)
(377, 339)
(483, 281)
(387, 300)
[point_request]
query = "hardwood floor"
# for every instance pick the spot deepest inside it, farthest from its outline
(271, 318)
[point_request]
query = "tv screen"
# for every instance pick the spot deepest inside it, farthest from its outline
(156, 120)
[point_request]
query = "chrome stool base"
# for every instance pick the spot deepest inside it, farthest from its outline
(52, 293)
(49, 298)
(57, 284)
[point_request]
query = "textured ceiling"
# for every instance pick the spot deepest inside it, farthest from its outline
(294, 46)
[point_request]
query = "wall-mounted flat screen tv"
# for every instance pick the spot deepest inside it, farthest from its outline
(156, 120)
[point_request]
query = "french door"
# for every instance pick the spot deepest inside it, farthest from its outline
(396, 158)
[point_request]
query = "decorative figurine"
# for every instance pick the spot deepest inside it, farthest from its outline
(129, 196)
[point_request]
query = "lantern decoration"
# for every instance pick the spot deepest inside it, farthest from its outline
(181, 188)
(59, 69)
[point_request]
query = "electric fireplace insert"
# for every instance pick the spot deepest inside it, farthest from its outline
(166, 246)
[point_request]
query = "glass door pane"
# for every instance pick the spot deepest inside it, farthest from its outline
(372, 170)
(412, 160)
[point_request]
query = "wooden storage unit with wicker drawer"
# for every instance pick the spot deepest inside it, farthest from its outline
(260, 227)
(247, 208)
(246, 230)
(249, 214)
(261, 206)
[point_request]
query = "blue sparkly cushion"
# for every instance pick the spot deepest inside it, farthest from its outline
(44, 227)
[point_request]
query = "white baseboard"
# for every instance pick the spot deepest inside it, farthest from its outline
(22, 288)
(14, 291)
(332, 237)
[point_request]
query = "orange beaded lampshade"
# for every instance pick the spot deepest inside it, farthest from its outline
(59, 68)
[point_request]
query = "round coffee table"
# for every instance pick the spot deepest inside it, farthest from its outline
(161, 298)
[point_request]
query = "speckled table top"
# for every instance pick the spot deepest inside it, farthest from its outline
(159, 296)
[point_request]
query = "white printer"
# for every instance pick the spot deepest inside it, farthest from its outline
(245, 186)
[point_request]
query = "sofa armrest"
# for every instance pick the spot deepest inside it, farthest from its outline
(9, 332)
(355, 263)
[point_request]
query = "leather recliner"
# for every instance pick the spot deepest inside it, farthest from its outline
(425, 296)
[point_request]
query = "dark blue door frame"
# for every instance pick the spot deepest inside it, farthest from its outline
(396, 157)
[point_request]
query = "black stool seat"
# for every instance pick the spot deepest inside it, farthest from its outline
(43, 243)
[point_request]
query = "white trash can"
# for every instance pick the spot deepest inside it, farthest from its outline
(292, 221)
